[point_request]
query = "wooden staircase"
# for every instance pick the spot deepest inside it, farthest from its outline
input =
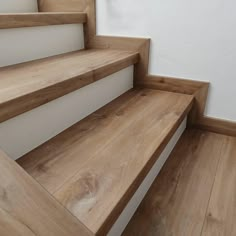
(80, 181)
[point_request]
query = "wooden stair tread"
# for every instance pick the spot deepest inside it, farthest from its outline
(18, 20)
(94, 167)
(31, 84)
(23, 203)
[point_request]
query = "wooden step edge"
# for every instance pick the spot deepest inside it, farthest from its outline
(111, 219)
(19, 20)
(27, 102)
(119, 227)
(19, 193)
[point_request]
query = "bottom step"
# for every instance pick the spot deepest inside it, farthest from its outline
(94, 167)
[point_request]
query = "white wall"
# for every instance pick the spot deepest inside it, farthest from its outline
(190, 39)
(8, 6)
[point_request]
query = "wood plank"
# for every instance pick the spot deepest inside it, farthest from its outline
(18, 20)
(220, 126)
(28, 85)
(197, 88)
(177, 202)
(105, 157)
(26, 209)
(221, 212)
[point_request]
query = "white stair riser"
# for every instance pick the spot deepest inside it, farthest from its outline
(11, 6)
(31, 43)
(133, 204)
(29, 130)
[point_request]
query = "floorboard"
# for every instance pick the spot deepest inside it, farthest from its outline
(221, 213)
(177, 203)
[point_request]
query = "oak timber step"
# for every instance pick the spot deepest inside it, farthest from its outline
(94, 167)
(31, 84)
(27, 209)
(17, 20)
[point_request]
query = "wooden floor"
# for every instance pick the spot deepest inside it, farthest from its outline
(195, 193)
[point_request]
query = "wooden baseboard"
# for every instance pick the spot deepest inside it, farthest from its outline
(26, 208)
(217, 125)
(197, 88)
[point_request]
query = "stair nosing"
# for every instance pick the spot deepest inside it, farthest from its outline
(21, 20)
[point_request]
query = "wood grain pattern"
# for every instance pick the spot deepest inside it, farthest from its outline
(221, 212)
(62, 5)
(217, 125)
(18, 20)
(197, 88)
(177, 202)
(26, 209)
(141, 45)
(105, 157)
(28, 85)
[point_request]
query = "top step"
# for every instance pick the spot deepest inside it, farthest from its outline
(31, 84)
(18, 20)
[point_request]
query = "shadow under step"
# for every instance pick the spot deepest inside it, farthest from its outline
(95, 167)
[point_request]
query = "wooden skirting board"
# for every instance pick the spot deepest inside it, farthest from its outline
(217, 125)
(17, 20)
